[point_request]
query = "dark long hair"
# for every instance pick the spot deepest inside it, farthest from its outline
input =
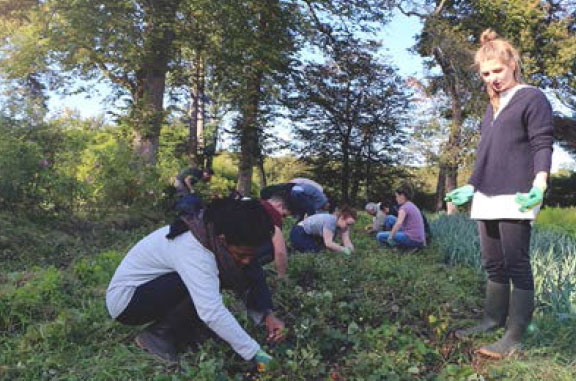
(242, 222)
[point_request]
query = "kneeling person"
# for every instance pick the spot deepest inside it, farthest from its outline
(172, 279)
(317, 232)
(408, 231)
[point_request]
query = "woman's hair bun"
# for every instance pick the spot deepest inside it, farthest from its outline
(487, 36)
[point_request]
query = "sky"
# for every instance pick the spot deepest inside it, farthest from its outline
(397, 37)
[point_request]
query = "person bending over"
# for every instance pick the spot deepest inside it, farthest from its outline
(187, 201)
(172, 279)
(381, 219)
(318, 232)
(305, 199)
(408, 231)
(275, 249)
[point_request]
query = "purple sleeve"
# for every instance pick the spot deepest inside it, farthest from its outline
(539, 124)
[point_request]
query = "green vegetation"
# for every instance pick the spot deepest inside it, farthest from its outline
(553, 256)
(379, 314)
(560, 218)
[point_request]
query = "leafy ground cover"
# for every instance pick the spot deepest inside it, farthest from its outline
(377, 315)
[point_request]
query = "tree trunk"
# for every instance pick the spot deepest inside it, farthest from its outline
(196, 114)
(356, 178)
(249, 135)
(440, 188)
(368, 195)
(147, 112)
(450, 158)
(260, 170)
(345, 176)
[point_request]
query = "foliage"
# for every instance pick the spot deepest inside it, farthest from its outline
(552, 255)
(37, 165)
(349, 110)
(563, 219)
(561, 191)
(371, 316)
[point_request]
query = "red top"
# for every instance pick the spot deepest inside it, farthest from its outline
(273, 213)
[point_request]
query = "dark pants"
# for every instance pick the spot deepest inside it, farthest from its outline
(505, 246)
(302, 241)
(166, 299)
(188, 204)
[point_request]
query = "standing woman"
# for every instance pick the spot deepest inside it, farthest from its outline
(507, 188)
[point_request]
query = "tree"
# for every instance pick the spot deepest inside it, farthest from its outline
(130, 43)
(348, 113)
(541, 31)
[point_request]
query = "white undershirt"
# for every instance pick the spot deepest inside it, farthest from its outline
(155, 255)
(486, 207)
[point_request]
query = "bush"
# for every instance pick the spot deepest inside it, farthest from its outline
(559, 218)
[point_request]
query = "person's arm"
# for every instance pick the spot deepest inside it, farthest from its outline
(346, 239)
(539, 125)
(200, 275)
(188, 182)
(398, 224)
(280, 256)
(328, 236)
(259, 299)
(378, 221)
(540, 128)
(541, 180)
(274, 328)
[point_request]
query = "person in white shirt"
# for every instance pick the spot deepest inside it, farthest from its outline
(507, 188)
(172, 279)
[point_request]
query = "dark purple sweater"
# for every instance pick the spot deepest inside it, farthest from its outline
(515, 146)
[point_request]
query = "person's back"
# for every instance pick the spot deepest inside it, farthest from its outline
(315, 224)
(413, 224)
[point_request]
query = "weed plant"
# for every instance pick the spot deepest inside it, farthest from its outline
(379, 314)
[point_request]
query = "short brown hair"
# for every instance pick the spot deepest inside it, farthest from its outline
(406, 190)
(347, 211)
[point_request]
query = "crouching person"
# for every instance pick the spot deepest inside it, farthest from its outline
(318, 232)
(382, 219)
(408, 231)
(172, 279)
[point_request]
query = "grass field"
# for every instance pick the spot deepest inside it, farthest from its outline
(377, 315)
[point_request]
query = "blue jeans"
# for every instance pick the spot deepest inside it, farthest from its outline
(188, 204)
(400, 238)
(389, 222)
(302, 241)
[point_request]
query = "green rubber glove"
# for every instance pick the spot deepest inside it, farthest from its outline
(460, 196)
(347, 251)
(262, 360)
(529, 200)
(391, 241)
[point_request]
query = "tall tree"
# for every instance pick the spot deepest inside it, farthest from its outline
(450, 33)
(128, 42)
(348, 112)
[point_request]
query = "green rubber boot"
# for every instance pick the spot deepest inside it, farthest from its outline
(495, 310)
(521, 308)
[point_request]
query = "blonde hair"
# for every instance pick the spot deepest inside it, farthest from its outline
(493, 47)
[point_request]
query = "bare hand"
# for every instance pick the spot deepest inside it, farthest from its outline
(275, 328)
